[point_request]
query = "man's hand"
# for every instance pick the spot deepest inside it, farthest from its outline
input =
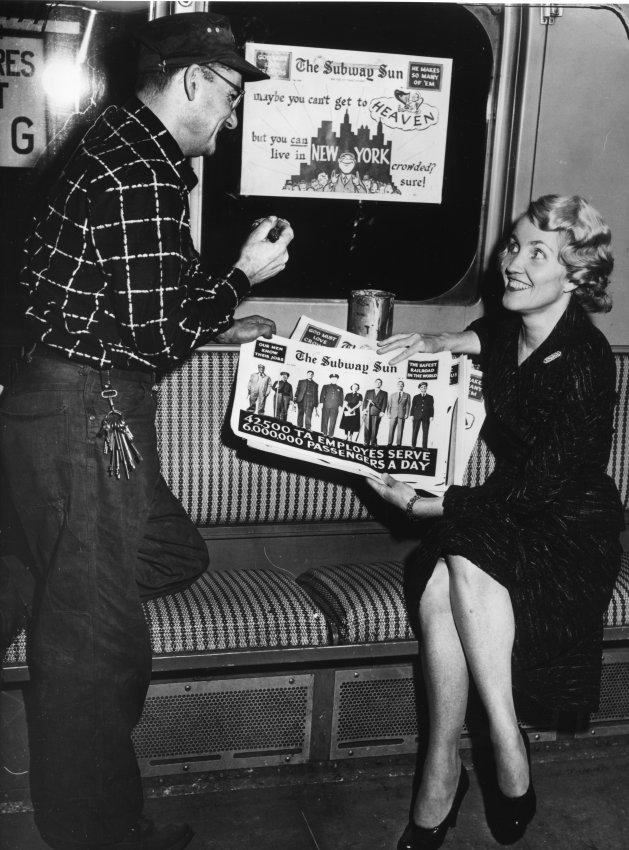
(261, 258)
(246, 330)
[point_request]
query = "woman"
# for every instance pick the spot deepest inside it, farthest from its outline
(350, 421)
(515, 575)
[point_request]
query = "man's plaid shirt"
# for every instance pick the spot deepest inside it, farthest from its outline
(113, 278)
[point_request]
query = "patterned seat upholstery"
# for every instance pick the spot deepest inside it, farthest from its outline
(364, 603)
(199, 456)
(618, 610)
(235, 609)
(618, 467)
(239, 609)
(15, 656)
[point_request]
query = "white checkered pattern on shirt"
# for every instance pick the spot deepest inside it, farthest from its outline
(111, 274)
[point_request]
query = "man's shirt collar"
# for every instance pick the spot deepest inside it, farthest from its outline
(147, 119)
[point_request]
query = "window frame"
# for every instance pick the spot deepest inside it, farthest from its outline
(506, 29)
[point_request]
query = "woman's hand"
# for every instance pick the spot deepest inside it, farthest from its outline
(399, 494)
(466, 342)
(412, 344)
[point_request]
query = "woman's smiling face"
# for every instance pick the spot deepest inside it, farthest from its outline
(534, 276)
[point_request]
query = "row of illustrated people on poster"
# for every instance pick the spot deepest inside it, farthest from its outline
(351, 412)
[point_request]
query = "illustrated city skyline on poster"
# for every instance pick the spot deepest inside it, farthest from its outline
(341, 123)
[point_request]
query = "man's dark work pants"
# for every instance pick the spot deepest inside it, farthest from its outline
(98, 547)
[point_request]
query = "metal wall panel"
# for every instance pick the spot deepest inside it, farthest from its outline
(221, 724)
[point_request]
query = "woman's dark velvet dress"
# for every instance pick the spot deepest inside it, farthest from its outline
(546, 522)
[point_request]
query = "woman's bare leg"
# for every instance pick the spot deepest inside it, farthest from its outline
(447, 683)
(484, 620)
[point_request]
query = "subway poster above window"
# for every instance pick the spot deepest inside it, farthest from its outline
(342, 123)
(417, 241)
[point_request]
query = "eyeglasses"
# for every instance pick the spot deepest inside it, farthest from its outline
(239, 93)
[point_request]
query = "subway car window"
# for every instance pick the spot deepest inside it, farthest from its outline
(62, 63)
(419, 250)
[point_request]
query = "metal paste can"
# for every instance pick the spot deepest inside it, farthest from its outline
(371, 313)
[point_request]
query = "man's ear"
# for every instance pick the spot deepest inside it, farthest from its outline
(192, 80)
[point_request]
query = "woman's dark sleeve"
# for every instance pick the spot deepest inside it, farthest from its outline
(484, 331)
(570, 443)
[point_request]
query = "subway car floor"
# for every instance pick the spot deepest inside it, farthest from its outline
(582, 788)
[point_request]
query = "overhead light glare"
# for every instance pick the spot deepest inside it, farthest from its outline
(64, 81)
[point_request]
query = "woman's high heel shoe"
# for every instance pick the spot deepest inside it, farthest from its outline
(508, 817)
(417, 837)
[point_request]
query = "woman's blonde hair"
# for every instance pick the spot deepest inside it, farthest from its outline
(584, 245)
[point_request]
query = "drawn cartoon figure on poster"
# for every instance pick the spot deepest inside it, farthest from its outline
(346, 179)
(410, 101)
(345, 123)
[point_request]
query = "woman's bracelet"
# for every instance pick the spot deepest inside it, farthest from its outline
(409, 508)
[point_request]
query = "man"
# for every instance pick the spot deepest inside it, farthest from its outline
(307, 400)
(258, 388)
(331, 399)
(398, 408)
(283, 395)
(422, 412)
(114, 293)
(374, 406)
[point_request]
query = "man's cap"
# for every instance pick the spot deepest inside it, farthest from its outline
(334, 376)
(176, 41)
(284, 373)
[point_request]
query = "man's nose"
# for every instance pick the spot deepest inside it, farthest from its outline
(232, 121)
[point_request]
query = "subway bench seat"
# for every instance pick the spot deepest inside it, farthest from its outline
(364, 603)
(262, 609)
(295, 646)
(223, 611)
